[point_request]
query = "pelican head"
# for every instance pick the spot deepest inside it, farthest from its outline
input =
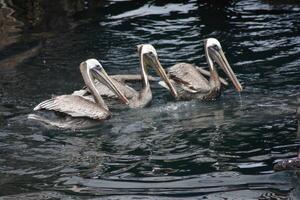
(149, 57)
(93, 66)
(214, 52)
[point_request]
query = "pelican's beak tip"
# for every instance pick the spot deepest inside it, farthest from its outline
(240, 89)
(175, 94)
(125, 100)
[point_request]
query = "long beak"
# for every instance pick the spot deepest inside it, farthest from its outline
(222, 61)
(102, 76)
(161, 72)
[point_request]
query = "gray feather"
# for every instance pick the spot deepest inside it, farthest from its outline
(187, 75)
(74, 106)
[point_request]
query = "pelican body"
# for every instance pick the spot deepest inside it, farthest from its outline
(190, 81)
(137, 99)
(78, 106)
(288, 164)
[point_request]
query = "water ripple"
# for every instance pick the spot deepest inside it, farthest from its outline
(209, 150)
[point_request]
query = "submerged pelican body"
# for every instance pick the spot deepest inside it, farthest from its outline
(291, 163)
(78, 106)
(190, 81)
(136, 99)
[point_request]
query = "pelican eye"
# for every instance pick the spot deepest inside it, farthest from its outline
(215, 47)
(99, 67)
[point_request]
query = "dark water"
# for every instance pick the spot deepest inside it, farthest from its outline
(209, 150)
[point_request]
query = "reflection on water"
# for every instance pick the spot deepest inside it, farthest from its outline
(10, 26)
(212, 150)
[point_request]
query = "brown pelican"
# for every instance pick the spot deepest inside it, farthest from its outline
(288, 164)
(78, 106)
(190, 82)
(137, 99)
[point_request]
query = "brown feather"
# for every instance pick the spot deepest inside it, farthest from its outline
(74, 106)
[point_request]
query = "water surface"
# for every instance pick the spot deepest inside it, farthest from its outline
(209, 150)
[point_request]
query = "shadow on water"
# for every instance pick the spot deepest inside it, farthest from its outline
(210, 150)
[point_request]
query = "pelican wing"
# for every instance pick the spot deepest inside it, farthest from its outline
(132, 77)
(126, 90)
(102, 89)
(188, 77)
(74, 106)
(106, 91)
(207, 73)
